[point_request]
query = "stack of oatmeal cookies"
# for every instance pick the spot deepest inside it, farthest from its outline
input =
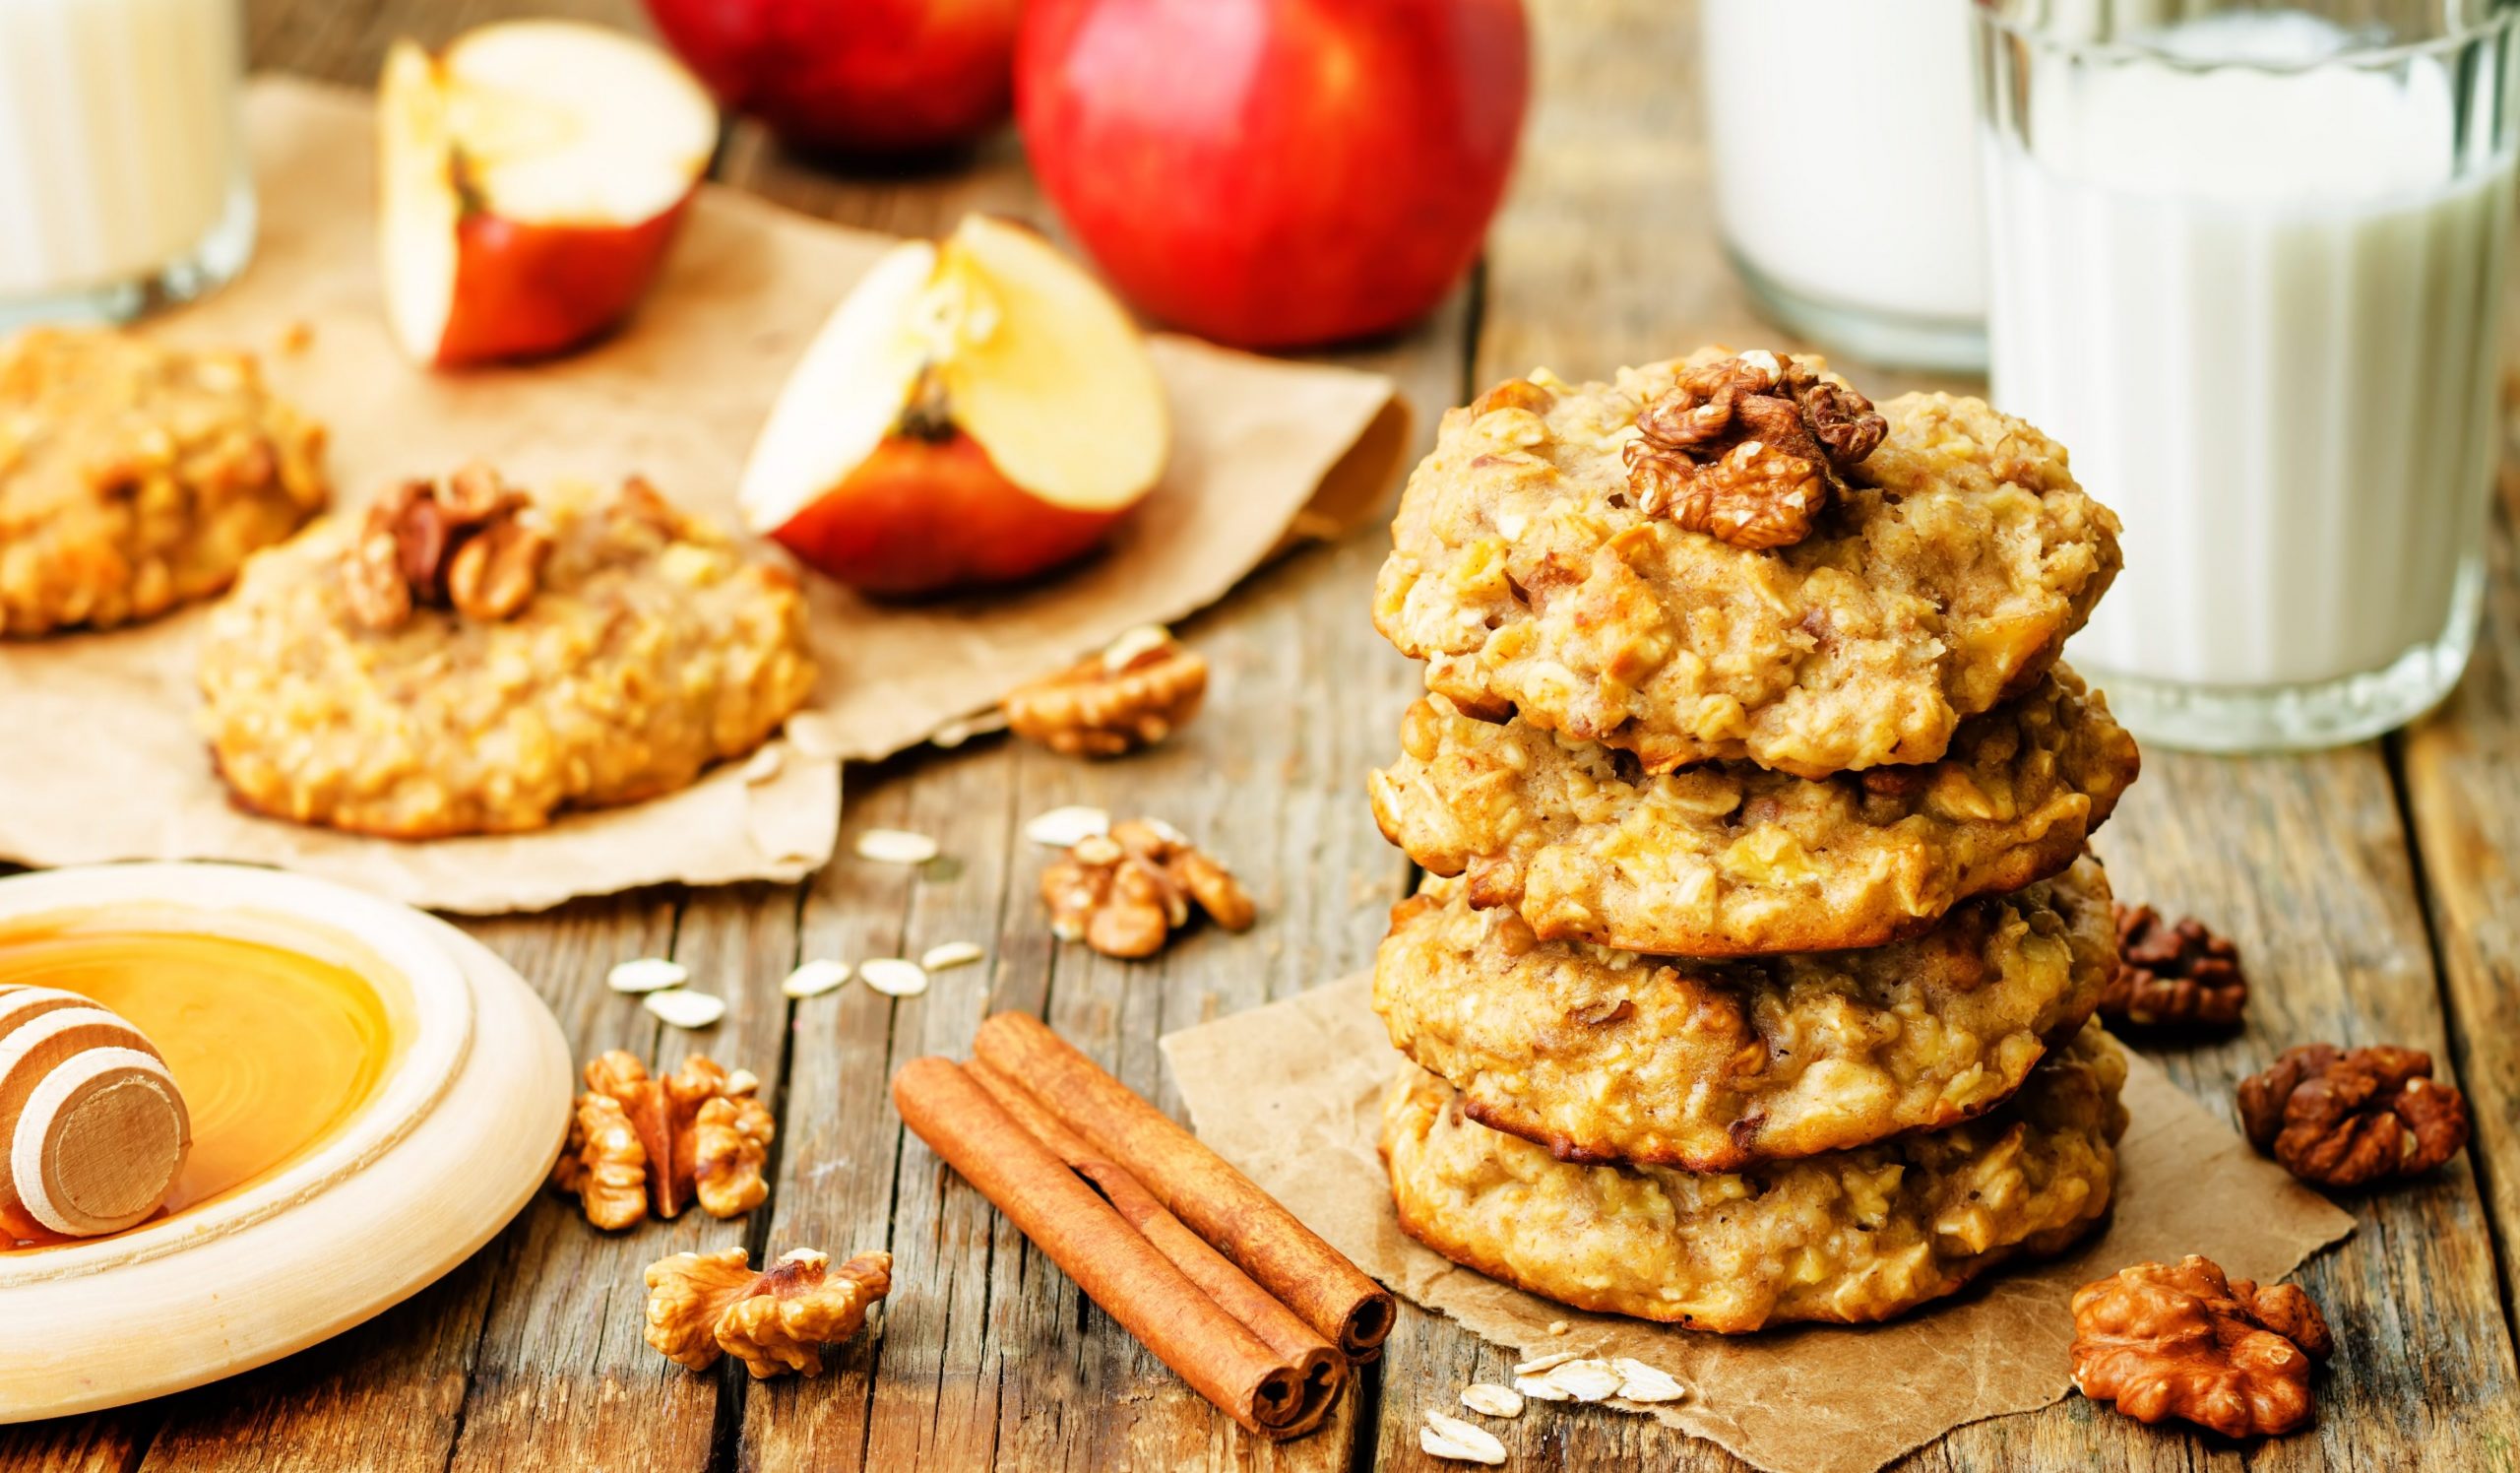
(1753, 976)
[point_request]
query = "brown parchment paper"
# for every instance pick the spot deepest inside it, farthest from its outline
(1291, 1094)
(98, 756)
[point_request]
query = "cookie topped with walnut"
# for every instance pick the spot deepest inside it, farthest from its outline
(1737, 556)
(470, 659)
(135, 478)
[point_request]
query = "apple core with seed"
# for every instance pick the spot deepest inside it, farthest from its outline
(977, 410)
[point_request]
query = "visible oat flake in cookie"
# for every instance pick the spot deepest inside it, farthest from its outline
(1945, 577)
(134, 477)
(1750, 449)
(1847, 1236)
(645, 646)
(1727, 860)
(1610, 1056)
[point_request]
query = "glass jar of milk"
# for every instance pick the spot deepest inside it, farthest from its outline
(1844, 138)
(123, 181)
(2248, 265)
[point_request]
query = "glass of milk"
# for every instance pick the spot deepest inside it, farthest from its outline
(2246, 263)
(123, 181)
(1844, 136)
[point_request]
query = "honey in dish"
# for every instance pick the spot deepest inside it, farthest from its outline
(274, 1051)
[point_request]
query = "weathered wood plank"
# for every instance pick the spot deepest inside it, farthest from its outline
(562, 1378)
(2462, 775)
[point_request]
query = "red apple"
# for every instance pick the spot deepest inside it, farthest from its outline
(533, 180)
(1275, 173)
(977, 410)
(853, 76)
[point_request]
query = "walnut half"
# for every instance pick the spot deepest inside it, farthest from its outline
(464, 543)
(1124, 894)
(2172, 975)
(701, 1306)
(1750, 449)
(640, 1145)
(1138, 691)
(2352, 1117)
(2184, 1341)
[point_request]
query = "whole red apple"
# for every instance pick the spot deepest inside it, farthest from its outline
(853, 76)
(1276, 172)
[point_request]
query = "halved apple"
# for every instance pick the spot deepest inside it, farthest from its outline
(533, 176)
(977, 410)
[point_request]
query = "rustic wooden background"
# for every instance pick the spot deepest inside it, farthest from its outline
(2370, 889)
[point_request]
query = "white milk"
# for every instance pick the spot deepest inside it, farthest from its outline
(2260, 310)
(119, 144)
(1845, 141)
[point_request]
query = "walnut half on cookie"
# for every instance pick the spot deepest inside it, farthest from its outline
(701, 1306)
(472, 660)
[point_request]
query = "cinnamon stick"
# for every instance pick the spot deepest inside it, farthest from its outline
(1324, 1368)
(1199, 1187)
(1108, 1259)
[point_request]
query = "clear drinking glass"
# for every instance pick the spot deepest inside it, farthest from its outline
(1845, 150)
(123, 177)
(2246, 261)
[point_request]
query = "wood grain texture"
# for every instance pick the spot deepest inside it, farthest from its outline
(2461, 771)
(530, 1356)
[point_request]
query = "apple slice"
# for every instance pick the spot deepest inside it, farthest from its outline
(532, 179)
(977, 410)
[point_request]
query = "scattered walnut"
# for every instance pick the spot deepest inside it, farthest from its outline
(1750, 448)
(2186, 1342)
(640, 1145)
(1140, 690)
(2350, 1116)
(463, 543)
(1125, 892)
(2173, 975)
(703, 1304)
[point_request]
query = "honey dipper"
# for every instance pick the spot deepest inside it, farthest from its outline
(93, 1129)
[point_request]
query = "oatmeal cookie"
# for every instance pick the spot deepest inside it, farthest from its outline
(1943, 578)
(1731, 859)
(1848, 1236)
(646, 647)
(1608, 1056)
(134, 477)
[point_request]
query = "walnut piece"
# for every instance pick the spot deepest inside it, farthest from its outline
(1125, 893)
(2184, 1341)
(1140, 690)
(1751, 448)
(703, 1304)
(639, 1145)
(464, 544)
(2172, 976)
(2352, 1117)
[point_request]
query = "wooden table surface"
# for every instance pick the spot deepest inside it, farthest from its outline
(2370, 890)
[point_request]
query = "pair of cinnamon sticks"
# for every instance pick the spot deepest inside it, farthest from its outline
(1246, 1304)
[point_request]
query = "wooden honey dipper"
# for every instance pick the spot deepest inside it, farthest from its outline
(93, 1129)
